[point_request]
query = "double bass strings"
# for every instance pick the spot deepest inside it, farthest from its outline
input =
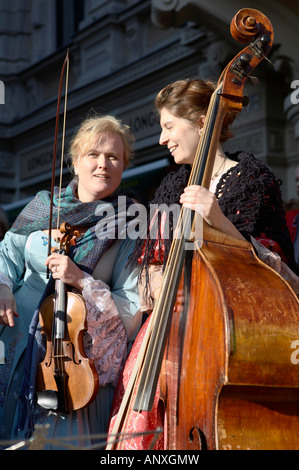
(123, 413)
(204, 160)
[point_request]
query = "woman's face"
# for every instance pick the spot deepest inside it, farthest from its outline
(180, 136)
(100, 167)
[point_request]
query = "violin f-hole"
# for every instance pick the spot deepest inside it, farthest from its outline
(73, 354)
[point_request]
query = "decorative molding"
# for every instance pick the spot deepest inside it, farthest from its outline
(117, 60)
(93, 89)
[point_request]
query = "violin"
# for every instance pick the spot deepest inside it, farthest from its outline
(66, 379)
(222, 355)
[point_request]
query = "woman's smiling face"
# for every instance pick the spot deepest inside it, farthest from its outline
(100, 167)
(180, 135)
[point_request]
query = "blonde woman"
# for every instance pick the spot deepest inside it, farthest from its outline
(96, 268)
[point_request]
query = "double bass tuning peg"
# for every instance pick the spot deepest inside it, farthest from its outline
(243, 63)
(261, 46)
(240, 67)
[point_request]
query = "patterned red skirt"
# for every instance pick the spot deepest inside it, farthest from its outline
(138, 422)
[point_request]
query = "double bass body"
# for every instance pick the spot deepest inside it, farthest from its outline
(233, 383)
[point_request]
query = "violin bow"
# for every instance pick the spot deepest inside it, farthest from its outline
(64, 66)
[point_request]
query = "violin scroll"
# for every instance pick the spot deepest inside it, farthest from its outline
(69, 236)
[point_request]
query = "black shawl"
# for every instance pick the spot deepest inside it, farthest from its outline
(249, 196)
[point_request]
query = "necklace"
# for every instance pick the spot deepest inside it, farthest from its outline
(219, 169)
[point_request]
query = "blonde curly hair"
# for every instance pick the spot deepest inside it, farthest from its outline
(95, 125)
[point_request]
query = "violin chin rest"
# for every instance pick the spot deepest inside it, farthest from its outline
(47, 399)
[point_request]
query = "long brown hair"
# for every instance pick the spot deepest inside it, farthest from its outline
(190, 99)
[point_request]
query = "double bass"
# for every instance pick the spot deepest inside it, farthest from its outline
(223, 354)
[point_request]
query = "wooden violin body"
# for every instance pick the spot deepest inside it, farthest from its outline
(66, 379)
(227, 378)
(66, 371)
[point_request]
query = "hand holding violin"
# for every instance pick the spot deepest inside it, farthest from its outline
(63, 268)
(63, 319)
